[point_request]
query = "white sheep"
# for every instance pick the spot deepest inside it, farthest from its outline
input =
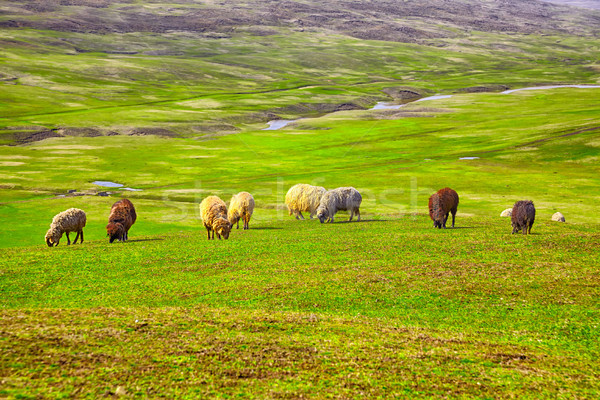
(344, 198)
(71, 220)
(241, 206)
(213, 212)
(303, 197)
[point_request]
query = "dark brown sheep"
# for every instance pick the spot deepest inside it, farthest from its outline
(442, 203)
(523, 216)
(122, 216)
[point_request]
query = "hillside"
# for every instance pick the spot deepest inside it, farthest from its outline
(405, 21)
(166, 102)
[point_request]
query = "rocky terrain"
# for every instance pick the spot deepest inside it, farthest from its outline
(402, 21)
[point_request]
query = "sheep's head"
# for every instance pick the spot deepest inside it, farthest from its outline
(436, 210)
(115, 231)
(222, 227)
(233, 216)
(322, 214)
(53, 237)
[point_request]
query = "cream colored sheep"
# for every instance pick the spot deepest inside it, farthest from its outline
(241, 206)
(303, 197)
(72, 220)
(344, 198)
(213, 212)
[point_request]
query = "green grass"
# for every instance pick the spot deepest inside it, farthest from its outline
(246, 79)
(385, 308)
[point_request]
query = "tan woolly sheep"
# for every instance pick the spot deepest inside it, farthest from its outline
(344, 198)
(72, 220)
(241, 206)
(213, 212)
(303, 197)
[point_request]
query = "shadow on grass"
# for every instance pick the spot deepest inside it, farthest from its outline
(361, 221)
(265, 228)
(144, 240)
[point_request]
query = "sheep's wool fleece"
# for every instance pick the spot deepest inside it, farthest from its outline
(558, 217)
(70, 220)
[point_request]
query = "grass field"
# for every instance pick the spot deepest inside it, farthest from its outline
(388, 307)
(378, 307)
(385, 308)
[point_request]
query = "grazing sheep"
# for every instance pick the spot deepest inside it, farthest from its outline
(122, 217)
(523, 216)
(71, 220)
(344, 198)
(303, 197)
(506, 213)
(241, 206)
(558, 217)
(213, 212)
(441, 204)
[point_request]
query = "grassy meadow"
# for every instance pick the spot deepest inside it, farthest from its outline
(384, 308)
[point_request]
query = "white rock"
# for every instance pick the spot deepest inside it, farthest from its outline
(558, 217)
(506, 213)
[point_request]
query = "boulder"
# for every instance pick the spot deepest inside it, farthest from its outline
(558, 217)
(506, 213)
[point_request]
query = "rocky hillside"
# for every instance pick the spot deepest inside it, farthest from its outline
(402, 21)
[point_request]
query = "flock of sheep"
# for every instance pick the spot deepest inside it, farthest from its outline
(316, 200)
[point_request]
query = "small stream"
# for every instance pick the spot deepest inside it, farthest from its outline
(384, 105)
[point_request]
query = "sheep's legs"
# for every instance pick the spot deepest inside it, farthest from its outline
(238, 224)
(351, 215)
(76, 237)
(246, 222)
(208, 231)
(299, 215)
(453, 215)
(68, 240)
(81, 237)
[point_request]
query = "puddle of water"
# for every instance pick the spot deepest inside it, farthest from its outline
(278, 124)
(552, 87)
(107, 184)
(469, 158)
(131, 189)
(436, 97)
(382, 105)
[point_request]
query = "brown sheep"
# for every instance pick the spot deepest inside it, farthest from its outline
(523, 216)
(442, 203)
(122, 217)
(213, 212)
(241, 207)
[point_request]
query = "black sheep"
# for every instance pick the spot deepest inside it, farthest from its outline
(523, 216)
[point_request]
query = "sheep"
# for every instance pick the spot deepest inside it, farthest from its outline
(213, 212)
(241, 206)
(71, 220)
(303, 197)
(122, 217)
(523, 216)
(343, 198)
(441, 204)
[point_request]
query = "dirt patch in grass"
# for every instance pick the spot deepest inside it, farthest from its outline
(152, 131)
(231, 352)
